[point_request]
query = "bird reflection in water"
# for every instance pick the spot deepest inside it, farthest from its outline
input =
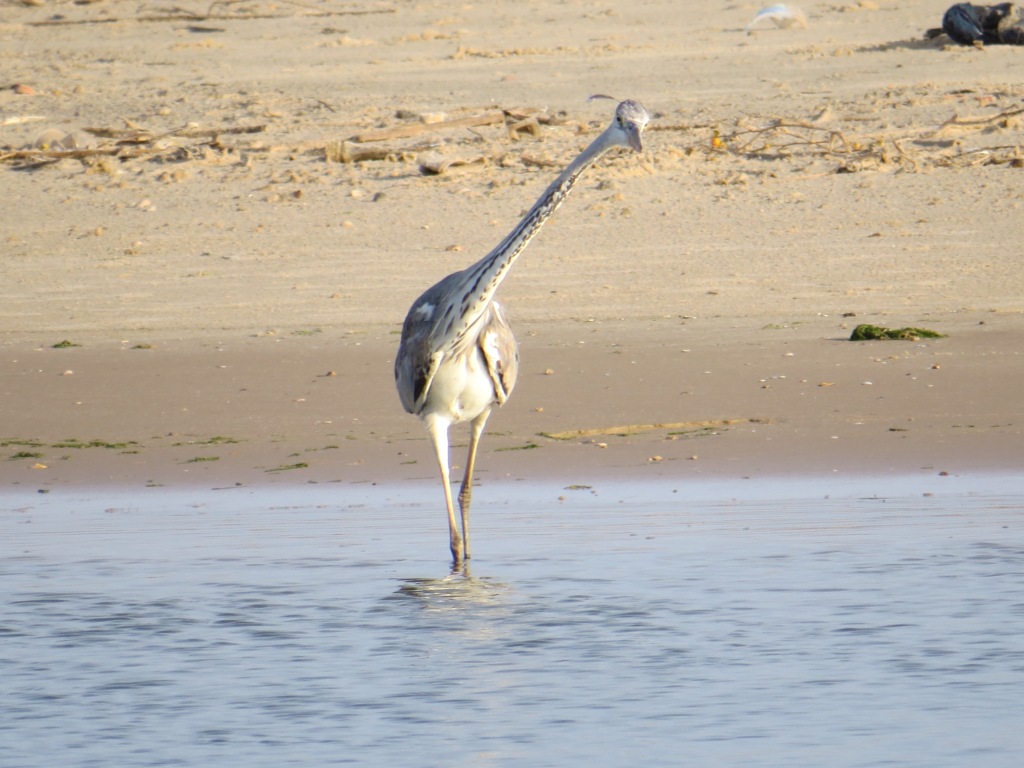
(457, 589)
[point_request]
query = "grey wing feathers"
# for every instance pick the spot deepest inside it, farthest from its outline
(414, 368)
(433, 331)
(430, 335)
(418, 355)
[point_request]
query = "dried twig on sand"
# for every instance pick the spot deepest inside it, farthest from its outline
(128, 143)
(490, 117)
(180, 14)
(632, 429)
(1011, 154)
(341, 151)
(18, 119)
(190, 131)
(781, 135)
(970, 123)
(436, 164)
(351, 150)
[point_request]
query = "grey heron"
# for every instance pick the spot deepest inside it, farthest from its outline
(458, 358)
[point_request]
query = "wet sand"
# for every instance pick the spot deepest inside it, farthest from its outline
(669, 399)
(233, 299)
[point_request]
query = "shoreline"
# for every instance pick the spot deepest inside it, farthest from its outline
(409, 494)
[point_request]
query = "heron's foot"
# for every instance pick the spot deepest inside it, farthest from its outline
(459, 564)
(457, 549)
(460, 554)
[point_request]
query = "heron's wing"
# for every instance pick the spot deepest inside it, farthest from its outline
(414, 370)
(418, 357)
(500, 351)
(423, 376)
(438, 327)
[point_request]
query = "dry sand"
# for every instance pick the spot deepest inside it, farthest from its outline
(235, 297)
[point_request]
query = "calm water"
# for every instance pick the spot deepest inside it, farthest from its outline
(871, 623)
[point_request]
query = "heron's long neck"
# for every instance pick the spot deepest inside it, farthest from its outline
(482, 279)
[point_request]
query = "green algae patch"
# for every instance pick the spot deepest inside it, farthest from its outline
(868, 332)
(74, 442)
(289, 467)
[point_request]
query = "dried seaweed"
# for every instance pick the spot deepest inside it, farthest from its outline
(779, 138)
(216, 11)
(130, 142)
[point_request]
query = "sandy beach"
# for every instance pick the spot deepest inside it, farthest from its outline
(196, 287)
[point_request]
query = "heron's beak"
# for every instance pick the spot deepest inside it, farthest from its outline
(633, 137)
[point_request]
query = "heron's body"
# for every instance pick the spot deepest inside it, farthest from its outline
(458, 358)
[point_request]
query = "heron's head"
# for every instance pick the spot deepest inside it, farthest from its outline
(631, 117)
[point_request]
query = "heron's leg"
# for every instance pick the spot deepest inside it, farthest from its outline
(438, 431)
(466, 491)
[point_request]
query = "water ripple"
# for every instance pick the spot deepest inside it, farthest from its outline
(808, 632)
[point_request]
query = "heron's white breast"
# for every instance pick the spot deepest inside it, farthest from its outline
(461, 389)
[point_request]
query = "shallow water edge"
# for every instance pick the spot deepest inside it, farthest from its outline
(810, 623)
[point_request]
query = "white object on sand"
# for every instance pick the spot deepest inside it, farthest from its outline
(783, 16)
